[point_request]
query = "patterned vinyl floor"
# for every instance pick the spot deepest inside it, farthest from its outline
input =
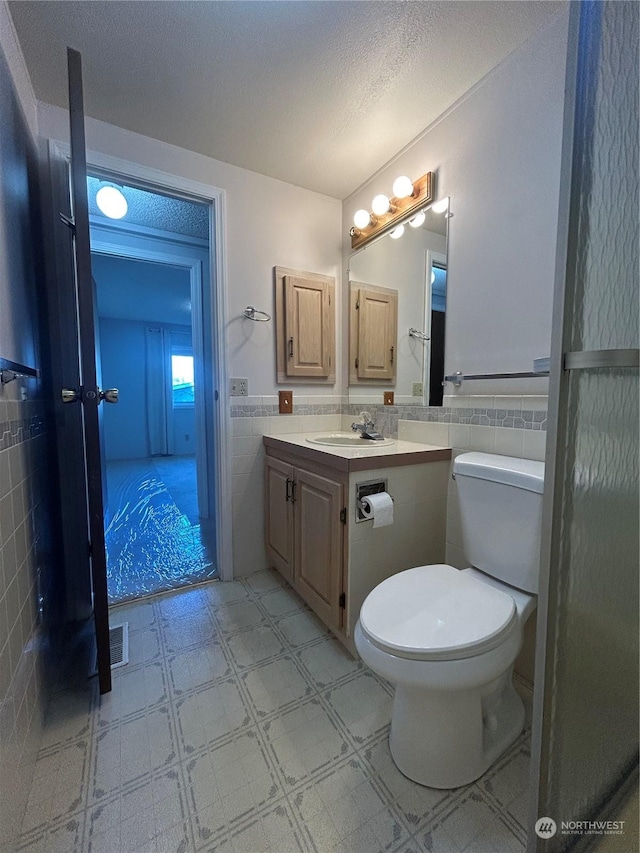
(241, 725)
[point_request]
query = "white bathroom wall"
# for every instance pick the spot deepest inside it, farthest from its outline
(497, 154)
(268, 223)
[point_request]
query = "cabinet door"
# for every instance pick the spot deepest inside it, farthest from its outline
(318, 544)
(377, 333)
(308, 331)
(279, 515)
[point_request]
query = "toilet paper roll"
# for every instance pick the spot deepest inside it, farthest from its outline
(378, 507)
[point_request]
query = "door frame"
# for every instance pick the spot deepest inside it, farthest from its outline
(431, 257)
(154, 179)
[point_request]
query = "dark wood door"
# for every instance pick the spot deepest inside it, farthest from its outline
(88, 394)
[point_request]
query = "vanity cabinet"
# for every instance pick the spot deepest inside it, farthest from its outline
(316, 538)
(305, 533)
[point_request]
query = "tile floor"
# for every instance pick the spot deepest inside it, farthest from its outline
(241, 725)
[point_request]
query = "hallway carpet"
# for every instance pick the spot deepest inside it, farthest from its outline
(154, 539)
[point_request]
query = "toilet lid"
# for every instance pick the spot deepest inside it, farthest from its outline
(436, 613)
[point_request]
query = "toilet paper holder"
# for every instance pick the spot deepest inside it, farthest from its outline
(363, 490)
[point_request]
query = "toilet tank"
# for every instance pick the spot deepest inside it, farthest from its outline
(501, 512)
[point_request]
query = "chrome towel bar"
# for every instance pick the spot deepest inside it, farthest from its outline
(10, 370)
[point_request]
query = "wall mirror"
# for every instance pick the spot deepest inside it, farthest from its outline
(397, 310)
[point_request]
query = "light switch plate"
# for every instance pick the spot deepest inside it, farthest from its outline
(238, 387)
(417, 389)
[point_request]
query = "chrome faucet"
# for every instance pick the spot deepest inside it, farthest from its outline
(366, 427)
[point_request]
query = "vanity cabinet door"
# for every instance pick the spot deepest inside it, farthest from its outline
(377, 333)
(308, 327)
(279, 480)
(318, 544)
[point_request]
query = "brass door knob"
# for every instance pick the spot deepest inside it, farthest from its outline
(70, 395)
(110, 395)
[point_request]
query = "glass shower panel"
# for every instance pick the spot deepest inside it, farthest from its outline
(590, 730)
(593, 733)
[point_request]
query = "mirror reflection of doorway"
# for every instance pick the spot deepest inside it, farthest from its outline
(158, 516)
(438, 312)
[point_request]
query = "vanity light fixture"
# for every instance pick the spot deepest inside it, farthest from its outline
(397, 232)
(417, 220)
(111, 201)
(409, 200)
(441, 206)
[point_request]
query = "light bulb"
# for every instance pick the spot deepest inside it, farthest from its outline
(361, 218)
(397, 232)
(441, 206)
(380, 205)
(417, 220)
(111, 202)
(402, 187)
(433, 277)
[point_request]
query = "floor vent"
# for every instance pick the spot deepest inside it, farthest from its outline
(119, 645)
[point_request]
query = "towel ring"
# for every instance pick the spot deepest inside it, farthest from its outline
(250, 313)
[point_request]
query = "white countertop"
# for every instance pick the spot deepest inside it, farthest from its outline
(389, 454)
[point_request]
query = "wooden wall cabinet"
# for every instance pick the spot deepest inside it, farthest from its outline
(373, 333)
(305, 326)
(305, 528)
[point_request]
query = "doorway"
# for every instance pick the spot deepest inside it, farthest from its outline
(152, 291)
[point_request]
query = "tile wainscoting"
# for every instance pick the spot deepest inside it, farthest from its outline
(23, 553)
(511, 425)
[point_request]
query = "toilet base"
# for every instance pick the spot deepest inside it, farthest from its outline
(449, 739)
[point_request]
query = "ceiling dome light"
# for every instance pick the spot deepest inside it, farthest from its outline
(361, 218)
(441, 206)
(397, 232)
(380, 205)
(417, 220)
(402, 187)
(111, 202)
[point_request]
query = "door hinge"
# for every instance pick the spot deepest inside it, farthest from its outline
(66, 220)
(343, 515)
(342, 601)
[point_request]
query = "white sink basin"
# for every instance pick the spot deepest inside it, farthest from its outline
(349, 439)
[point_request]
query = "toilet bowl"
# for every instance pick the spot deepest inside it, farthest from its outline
(447, 639)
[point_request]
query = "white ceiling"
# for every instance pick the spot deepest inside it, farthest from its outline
(319, 94)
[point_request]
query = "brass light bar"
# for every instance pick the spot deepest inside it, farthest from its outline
(423, 194)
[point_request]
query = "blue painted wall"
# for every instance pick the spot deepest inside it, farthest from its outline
(132, 295)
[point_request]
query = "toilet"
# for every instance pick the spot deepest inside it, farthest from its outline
(447, 639)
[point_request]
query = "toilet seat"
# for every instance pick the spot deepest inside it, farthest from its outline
(437, 613)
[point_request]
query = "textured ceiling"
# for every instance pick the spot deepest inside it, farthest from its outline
(319, 94)
(157, 211)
